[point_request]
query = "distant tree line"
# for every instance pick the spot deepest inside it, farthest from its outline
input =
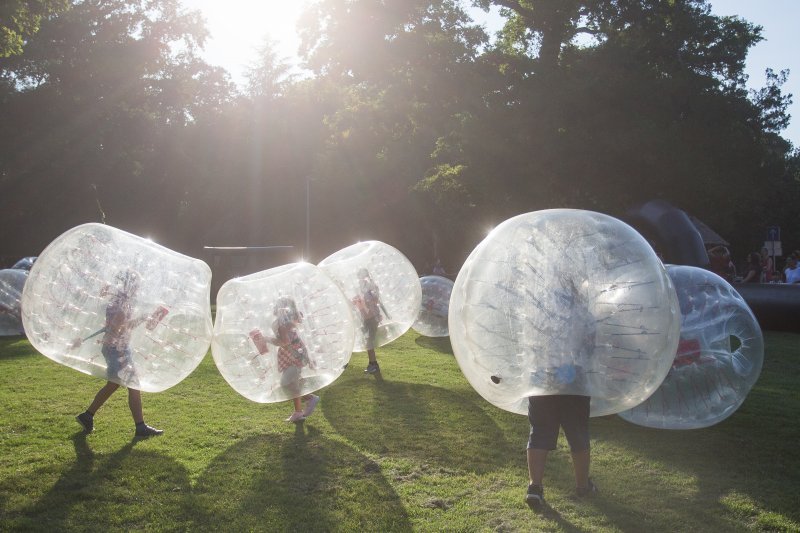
(415, 127)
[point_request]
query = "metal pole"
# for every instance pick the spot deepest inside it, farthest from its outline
(307, 253)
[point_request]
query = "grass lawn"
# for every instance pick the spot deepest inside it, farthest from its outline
(418, 450)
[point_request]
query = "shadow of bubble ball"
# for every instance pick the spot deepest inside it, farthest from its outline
(120, 307)
(382, 287)
(282, 333)
(564, 301)
(432, 318)
(718, 359)
(12, 282)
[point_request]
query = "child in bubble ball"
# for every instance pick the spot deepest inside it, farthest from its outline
(292, 356)
(547, 414)
(116, 350)
(368, 303)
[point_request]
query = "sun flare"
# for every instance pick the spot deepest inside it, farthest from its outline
(238, 28)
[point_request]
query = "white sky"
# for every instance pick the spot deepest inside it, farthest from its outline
(238, 27)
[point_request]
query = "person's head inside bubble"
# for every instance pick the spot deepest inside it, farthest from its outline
(365, 280)
(286, 310)
(127, 282)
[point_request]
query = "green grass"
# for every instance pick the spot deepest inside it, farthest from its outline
(419, 450)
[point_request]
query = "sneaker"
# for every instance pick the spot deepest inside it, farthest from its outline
(372, 368)
(143, 430)
(535, 496)
(311, 405)
(86, 421)
(297, 416)
(590, 489)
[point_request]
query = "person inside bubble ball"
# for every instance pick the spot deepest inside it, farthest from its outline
(116, 350)
(292, 356)
(369, 306)
(548, 413)
(438, 269)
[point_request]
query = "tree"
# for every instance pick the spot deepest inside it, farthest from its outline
(20, 19)
(270, 75)
(400, 70)
(93, 104)
(652, 105)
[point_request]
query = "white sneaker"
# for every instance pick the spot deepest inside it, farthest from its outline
(297, 416)
(311, 405)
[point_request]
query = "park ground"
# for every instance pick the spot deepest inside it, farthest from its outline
(417, 450)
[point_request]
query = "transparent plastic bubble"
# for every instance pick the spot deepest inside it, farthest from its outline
(432, 318)
(12, 282)
(25, 263)
(117, 306)
(718, 359)
(382, 287)
(564, 301)
(282, 333)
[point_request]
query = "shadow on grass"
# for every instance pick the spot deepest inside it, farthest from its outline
(126, 490)
(430, 424)
(437, 344)
(299, 482)
(555, 517)
(15, 347)
(751, 454)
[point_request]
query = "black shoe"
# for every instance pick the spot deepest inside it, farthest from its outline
(588, 490)
(372, 368)
(535, 497)
(143, 430)
(86, 420)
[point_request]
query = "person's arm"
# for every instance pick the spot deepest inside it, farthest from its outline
(77, 342)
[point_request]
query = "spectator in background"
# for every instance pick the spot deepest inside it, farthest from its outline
(720, 263)
(767, 266)
(792, 271)
(753, 269)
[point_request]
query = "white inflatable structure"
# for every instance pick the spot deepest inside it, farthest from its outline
(564, 302)
(718, 359)
(382, 287)
(117, 306)
(434, 307)
(12, 282)
(282, 333)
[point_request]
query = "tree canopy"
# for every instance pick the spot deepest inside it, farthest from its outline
(413, 126)
(20, 19)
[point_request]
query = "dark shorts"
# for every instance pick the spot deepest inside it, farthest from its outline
(547, 413)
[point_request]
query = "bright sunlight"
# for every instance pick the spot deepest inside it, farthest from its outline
(238, 28)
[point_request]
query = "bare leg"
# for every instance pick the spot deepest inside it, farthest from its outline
(371, 356)
(298, 404)
(135, 405)
(536, 461)
(101, 397)
(580, 463)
